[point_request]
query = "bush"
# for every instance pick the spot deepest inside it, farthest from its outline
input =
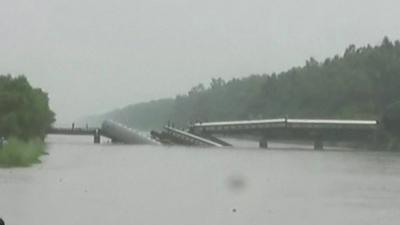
(17, 153)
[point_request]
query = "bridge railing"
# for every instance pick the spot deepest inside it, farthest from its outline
(284, 123)
(332, 124)
(190, 137)
(71, 131)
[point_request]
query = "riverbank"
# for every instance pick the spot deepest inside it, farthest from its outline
(17, 153)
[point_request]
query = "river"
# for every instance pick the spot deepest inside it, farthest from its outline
(80, 183)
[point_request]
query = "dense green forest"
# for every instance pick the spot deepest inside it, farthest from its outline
(359, 84)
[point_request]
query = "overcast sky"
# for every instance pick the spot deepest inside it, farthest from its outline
(92, 56)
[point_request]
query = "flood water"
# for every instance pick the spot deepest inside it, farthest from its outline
(85, 184)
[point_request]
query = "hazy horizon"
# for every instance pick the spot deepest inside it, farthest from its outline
(95, 56)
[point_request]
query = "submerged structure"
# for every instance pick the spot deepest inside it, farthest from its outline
(119, 133)
(172, 135)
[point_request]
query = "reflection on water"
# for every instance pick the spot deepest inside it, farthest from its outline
(81, 183)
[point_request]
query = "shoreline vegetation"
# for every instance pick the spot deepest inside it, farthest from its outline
(362, 83)
(24, 118)
(19, 153)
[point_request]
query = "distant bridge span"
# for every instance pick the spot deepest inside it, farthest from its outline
(299, 129)
(95, 132)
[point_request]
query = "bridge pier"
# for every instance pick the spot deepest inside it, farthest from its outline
(263, 143)
(318, 144)
(96, 136)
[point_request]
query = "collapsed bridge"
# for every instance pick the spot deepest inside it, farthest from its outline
(203, 134)
(118, 133)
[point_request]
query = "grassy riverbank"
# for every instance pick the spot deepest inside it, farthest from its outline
(17, 153)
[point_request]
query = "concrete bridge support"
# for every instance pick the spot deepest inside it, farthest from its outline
(96, 136)
(263, 143)
(318, 144)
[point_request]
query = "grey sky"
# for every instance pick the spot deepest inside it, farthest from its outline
(95, 55)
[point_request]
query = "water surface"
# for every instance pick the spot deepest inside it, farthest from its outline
(82, 183)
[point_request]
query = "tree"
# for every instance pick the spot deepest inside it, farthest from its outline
(24, 111)
(196, 90)
(217, 83)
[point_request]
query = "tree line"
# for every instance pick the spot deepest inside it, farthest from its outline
(359, 84)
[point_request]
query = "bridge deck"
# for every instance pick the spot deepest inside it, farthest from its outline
(302, 129)
(286, 123)
(75, 131)
(191, 137)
